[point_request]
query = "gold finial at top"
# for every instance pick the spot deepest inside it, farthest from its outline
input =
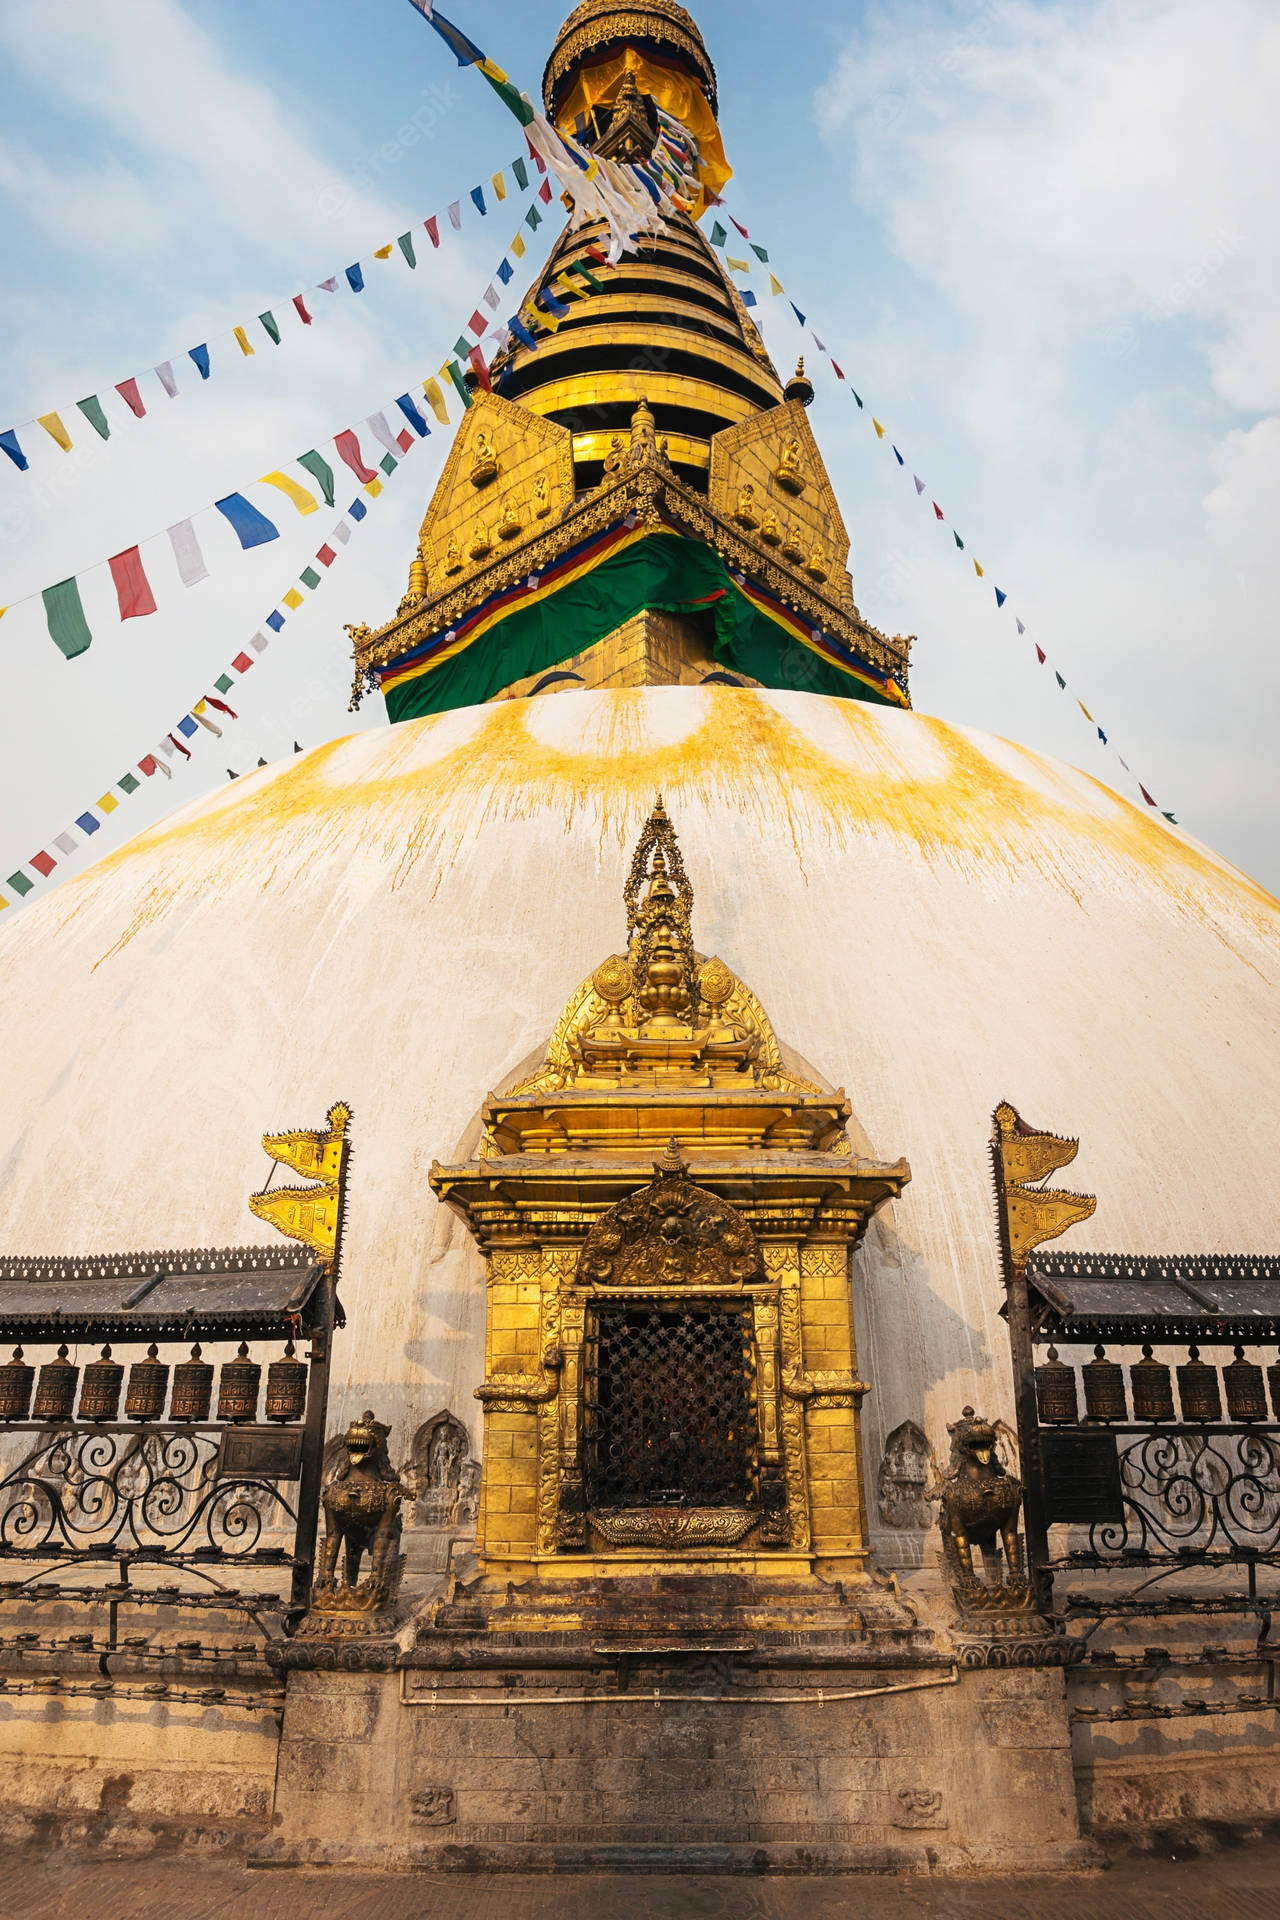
(663, 963)
(799, 386)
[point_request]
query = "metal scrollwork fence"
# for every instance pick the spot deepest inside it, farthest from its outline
(1194, 1494)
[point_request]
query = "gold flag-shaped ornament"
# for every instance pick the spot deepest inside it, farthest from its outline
(1027, 1155)
(309, 1214)
(1039, 1213)
(1034, 1214)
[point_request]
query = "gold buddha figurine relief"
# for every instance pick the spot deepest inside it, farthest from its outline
(787, 473)
(452, 557)
(481, 545)
(745, 512)
(510, 525)
(769, 531)
(791, 547)
(541, 497)
(816, 565)
(484, 461)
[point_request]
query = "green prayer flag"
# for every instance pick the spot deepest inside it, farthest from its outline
(857, 397)
(454, 372)
(321, 471)
(533, 218)
(759, 252)
(309, 578)
(67, 626)
(959, 542)
(388, 463)
(521, 173)
(580, 267)
(268, 320)
(1061, 682)
(92, 411)
(20, 883)
(224, 683)
(405, 244)
(718, 235)
(129, 783)
(462, 346)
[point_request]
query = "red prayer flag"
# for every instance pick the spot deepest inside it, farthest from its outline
(404, 440)
(535, 156)
(1039, 653)
(938, 510)
(544, 193)
(222, 706)
(147, 764)
(741, 229)
(184, 751)
(128, 391)
(482, 372)
(133, 589)
(44, 863)
(242, 663)
(601, 259)
(477, 323)
(1141, 789)
(326, 555)
(433, 230)
(301, 305)
(839, 370)
(349, 448)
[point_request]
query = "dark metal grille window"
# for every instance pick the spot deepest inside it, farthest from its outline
(670, 1406)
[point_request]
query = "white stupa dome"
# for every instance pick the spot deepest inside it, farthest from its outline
(933, 918)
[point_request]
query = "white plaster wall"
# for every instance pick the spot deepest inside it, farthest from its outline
(934, 918)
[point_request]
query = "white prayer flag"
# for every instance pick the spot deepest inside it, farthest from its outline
(186, 551)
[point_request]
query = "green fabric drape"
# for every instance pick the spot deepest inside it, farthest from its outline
(663, 574)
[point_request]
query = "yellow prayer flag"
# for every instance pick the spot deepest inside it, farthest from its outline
(373, 488)
(517, 247)
(305, 502)
(739, 266)
(499, 185)
(435, 400)
(242, 339)
(293, 599)
(383, 253)
(1085, 711)
(107, 803)
(977, 569)
(879, 429)
(775, 285)
(55, 429)
(3, 903)
(570, 289)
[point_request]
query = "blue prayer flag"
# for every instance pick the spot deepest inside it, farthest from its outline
(355, 279)
(1000, 597)
(748, 298)
(201, 357)
(412, 415)
(795, 309)
(9, 441)
(478, 196)
(187, 726)
(522, 333)
(88, 822)
(505, 270)
(548, 300)
(358, 509)
(897, 456)
(275, 621)
(252, 529)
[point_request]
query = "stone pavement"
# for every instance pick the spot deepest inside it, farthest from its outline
(1236, 1883)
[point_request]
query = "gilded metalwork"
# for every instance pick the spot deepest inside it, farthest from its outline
(670, 1233)
(309, 1214)
(598, 23)
(1034, 1214)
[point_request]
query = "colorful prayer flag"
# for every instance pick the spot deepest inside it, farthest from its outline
(128, 391)
(91, 408)
(717, 235)
(355, 278)
(164, 374)
(518, 246)
(476, 357)
(270, 326)
(56, 431)
(275, 620)
(795, 309)
(759, 252)
(1018, 624)
(309, 578)
(65, 618)
(775, 285)
(521, 173)
(378, 427)
(1000, 597)
(9, 442)
(242, 340)
(435, 400)
(187, 554)
(919, 483)
(242, 663)
(326, 555)
(412, 415)
(477, 194)
(20, 883)
(977, 569)
(292, 600)
(1141, 789)
(44, 863)
(133, 590)
(200, 355)
(879, 429)
(349, 449)
(251, 528)
(106, 803)
(300, 307)
(455, 215)
(405, 244)
(433, 230)
(956, 537)
(938, 510)
(305, 502)
(383, 253)
(320, 471)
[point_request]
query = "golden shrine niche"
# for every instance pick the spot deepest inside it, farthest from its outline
(667, 1210)
(508, 472)
(768, 479)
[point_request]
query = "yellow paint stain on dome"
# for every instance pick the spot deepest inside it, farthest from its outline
(816, 769)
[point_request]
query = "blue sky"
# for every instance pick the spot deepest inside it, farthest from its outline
(1038, 237)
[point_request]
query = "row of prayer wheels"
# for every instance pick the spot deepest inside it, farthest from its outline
(148, 1388)
(1151, 1385)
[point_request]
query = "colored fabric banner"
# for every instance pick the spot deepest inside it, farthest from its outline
(357, 510)
(88, 822)
(477, 324)
(455, 216)
(275, 621)
(292, 600)
(92, 411)
(300, 307)
(505, 271)
(718, 234)
(522, 333)
(476, 357)
(373, 487)
(133, 589)
(749, 300)
(759, 252)
(521, 173)
(879, 429)
(106, 803)
(270, 326)
(956, 537)
(44, 863)
(518, 246)
(795, 309)
(490, 297)
(355, 278)
(164, 374)
(412, 415)
(64, 614)
(919, 483)
(326, 555)
(775, 285)
(548, 300)
(127, 783)
(432, 230)
(499, 186)
(9, 442)
(382, 253)
(242, 663)
(544, 192)
(454, 373)
(898, 457)
(378, 427)
(477, 195)
(201, 357)
(53, 426)
(328, 286)
(435, 400)
(128, 391)
(186, 552)
(305, 502)
(321, 472)
(938, 510)
(533, 218)
(1000, 597)
(405, 244)
(349, 449)
(20, 883)
(64, 842)
(251, 528)
(309, 578)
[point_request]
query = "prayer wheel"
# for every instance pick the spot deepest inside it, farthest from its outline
(1198, 1389)
(1104, 1388)
(16, 1380)
(192, 1388)
(1056, 1392)
(1245, 1397)
(1273, 1385)
(100, 1388)
(148, 1380)
(238, 1387)
(286, 1387)
(1152, 1385)
(56, 1389)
